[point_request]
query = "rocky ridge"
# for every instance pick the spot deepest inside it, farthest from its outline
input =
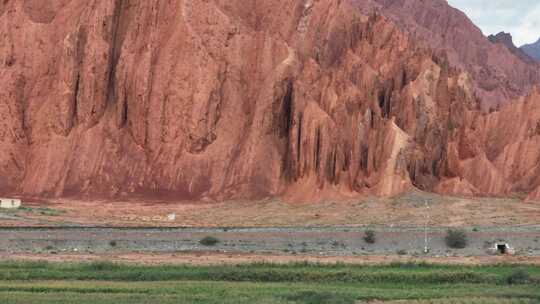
(506, 40)
(226, 99)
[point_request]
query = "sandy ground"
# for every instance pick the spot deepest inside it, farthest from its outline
(406, 210)
(409, 210)
(212, 258)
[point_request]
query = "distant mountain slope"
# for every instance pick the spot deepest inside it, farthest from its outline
(532, 50)
(498, 74)
(507, 40)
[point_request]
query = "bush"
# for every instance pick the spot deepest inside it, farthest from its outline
(209, 241)
(410, 265)
(369, 237)
(311, 297)
(519, 276)
(456, 239)
(112, 243)
(100, 266)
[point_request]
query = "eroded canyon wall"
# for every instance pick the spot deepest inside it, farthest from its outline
(247, 99)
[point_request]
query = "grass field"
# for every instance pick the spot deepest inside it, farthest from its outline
(103, 282)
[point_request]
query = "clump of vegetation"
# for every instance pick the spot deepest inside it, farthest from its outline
(41, 211)
(312, 297)
(410, 265)
(49, 212)
(402, 252)
(456, 239)
(113, 243)
(337, 244)
(100, 266)
(518, 276)
(370, 236)
(209, 241)
(25, 209)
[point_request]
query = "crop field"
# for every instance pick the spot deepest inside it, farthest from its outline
(302, 283)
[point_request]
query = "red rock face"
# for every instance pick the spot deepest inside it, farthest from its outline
(248, 99)
(506, 156)
(507, 40)
(499, 74)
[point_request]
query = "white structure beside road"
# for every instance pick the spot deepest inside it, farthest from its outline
(10, 203)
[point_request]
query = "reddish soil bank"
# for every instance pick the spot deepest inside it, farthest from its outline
(227, 258)
(405, 210)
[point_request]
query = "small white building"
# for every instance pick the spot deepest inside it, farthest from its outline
(10, 203)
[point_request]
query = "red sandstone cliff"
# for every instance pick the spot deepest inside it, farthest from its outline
(507, 40)
(234, 98)
(498, 74)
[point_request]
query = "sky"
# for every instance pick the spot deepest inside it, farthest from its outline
(521, 18)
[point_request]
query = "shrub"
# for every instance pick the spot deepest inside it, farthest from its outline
(337, 244)
(456, 239)
(519, 276)
(100, 266)
(49, 212)
(369, 237)
(311, 297)
(209, 241)
(112, 243)
(409, 265)
(402, 252)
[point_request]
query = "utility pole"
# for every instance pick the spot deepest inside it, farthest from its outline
(426, 246)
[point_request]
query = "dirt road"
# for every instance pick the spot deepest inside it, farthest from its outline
(322, 242)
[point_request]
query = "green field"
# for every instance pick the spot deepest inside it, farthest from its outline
(102, 282)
